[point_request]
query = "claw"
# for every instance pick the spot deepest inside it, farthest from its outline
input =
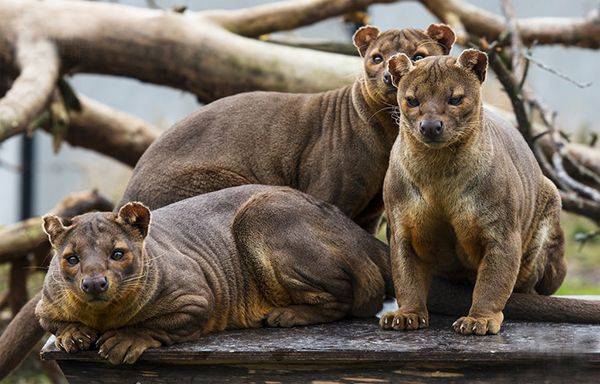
(474, 328)
(423, 321)
(409, 321)
(462, 328)
(455, 323)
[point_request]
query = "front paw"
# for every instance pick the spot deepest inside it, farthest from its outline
(478, 325)
(125, 345)
(282, 317)
(75, 337)
(404, 320)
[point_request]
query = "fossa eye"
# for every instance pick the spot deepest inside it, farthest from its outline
(377, 59)
(455, 100)
(117, 254)
(72, 260)
(412, 102)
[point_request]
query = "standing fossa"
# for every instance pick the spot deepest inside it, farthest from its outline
(333, 145)
(465, 198)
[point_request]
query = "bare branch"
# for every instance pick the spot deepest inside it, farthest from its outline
(591, 193)
(285, 15)
(107, 131)
(38, 62)
(312, 43)
(573, 203)
(210, 62)
(21, 238)
(584, 156)
(515, 38)
(511, 86)
(557, 72)
(581, 32)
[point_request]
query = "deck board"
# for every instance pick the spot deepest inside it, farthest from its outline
(364, 340)
(358, 349)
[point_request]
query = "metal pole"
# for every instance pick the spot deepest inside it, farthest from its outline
(27, 177)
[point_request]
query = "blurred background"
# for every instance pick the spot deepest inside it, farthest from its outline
(55, 175)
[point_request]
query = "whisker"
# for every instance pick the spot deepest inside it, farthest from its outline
(382, 109)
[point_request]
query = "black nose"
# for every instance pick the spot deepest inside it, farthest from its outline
(431, 129)
(387, 79)
(94, 285)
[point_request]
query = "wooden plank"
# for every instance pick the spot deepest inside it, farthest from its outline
(83, 372)
(363, 340)
(357, 351)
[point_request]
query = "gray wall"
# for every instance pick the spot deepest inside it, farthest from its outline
(77, 169)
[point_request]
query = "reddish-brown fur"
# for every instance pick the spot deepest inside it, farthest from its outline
(468, 201)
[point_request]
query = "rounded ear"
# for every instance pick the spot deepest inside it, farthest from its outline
(53, 228)
(398, 66)
(364, 37)
(136, 215)
(443, 34)
(475, 61)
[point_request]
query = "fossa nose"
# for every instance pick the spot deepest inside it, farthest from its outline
(431, 130)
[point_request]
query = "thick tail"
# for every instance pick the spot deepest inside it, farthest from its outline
(379, 253)
(19, 337)
(452, 299)
(368, 286)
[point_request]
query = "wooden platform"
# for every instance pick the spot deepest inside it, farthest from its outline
(358, 351)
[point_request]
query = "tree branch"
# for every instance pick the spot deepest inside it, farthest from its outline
(314, 44)
(515, 39)
(581, 32)
(23, 237)
(38, 62)
(573, 203)
(108, 131)
(211, 62)
(285, 15)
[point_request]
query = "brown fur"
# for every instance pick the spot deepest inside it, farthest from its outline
(470, 204)
(230, 259)
(333, 145)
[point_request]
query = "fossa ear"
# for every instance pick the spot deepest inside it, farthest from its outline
(53, 227)
(398, 66)
(474, 61)
(136, 215)
(443, 34)
(364, 37)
